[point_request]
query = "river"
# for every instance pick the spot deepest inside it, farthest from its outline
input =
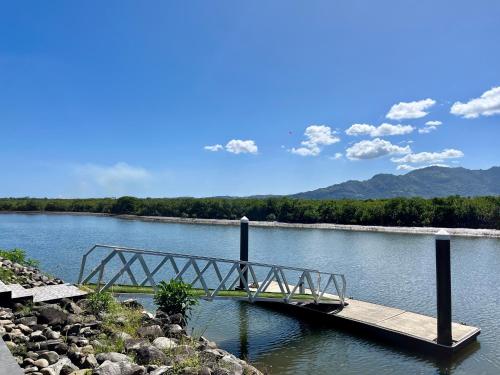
(391, 269)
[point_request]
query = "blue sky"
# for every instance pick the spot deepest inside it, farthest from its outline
(117, 97)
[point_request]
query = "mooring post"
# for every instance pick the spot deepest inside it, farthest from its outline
(244, 247)
(443, 286)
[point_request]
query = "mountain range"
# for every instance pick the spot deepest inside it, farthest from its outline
(426, 182)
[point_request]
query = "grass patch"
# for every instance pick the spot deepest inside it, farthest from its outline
(192, 361)
(118, 288)
(7, 276)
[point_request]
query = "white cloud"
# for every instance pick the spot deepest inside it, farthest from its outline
(117, 179)
(374, 149)
(430, 157)
(427, 129)
(433, 123)
(214, 148)
(337, 156)
(405, 167)
(316, 136)
(380, 131)
(404, 110)
(306, 151)
(238, 146)
(487, 104)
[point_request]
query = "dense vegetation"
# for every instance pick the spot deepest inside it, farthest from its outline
(454, 211)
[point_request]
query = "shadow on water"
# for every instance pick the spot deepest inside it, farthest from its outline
(311, 326)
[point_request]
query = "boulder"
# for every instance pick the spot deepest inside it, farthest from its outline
(119, 368)
(52, 314)
(150, 354)
(111, 357)
(63, 363)
(178, 319)
(134, 344)
(132, 303)
(164, 343)
(90, 361)
(41, 363)
(231, 364)
(150, 332)
(174, 330)
(51, 356)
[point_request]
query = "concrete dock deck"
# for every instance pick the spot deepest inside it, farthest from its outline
(415, 331)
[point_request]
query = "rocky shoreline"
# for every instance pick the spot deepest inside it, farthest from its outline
(459, 232)
(73, 337)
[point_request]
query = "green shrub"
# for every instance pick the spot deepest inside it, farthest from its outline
(18, 256)
(99, 302)
(175, 297)
(7, 276)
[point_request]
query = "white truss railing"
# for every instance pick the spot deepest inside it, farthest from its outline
(212, 276)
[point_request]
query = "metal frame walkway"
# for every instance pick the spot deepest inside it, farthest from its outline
(212, 278)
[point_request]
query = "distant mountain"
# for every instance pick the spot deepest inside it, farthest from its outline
(426, 182)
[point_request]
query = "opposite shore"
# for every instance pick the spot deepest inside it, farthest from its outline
(459, 232)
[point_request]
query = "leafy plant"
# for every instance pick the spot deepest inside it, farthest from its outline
(18, 256)
(99, 302)
(7, 276)
(175, 297)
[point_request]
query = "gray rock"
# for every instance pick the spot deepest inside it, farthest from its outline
(134, 344)
(174, 330)
(63, 362)
(211, 356)
(232, 364)
(24, 328)
(150, 332)
(41, 363)
(52, 314)
(111, 357)
(206, 371)
(164, 343)
(90, 361)
(37, 336)
(50, 356)
(119, 368)
(150, 354)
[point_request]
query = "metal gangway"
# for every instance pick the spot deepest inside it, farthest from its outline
(119, 269)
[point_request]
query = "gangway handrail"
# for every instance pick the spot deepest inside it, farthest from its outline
(242, 268)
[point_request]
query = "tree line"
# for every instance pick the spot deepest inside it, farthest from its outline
(451, 212)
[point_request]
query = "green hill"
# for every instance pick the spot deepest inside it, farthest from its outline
(427, 182)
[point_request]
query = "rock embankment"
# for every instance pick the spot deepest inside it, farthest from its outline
(26, 276)
(74, 337)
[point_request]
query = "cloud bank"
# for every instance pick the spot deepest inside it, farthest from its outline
(375, 148)
(380, 131)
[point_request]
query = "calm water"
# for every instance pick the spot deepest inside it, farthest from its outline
(395, 270)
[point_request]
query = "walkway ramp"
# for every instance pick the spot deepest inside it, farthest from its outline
(12, 293)
(130, 270)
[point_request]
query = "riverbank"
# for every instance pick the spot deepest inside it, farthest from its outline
(458, 232)
(97, 335)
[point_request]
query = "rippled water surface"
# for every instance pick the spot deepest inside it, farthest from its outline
(390, 269)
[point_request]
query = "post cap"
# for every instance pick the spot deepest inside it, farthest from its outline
(442, 235)
(244, 219)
